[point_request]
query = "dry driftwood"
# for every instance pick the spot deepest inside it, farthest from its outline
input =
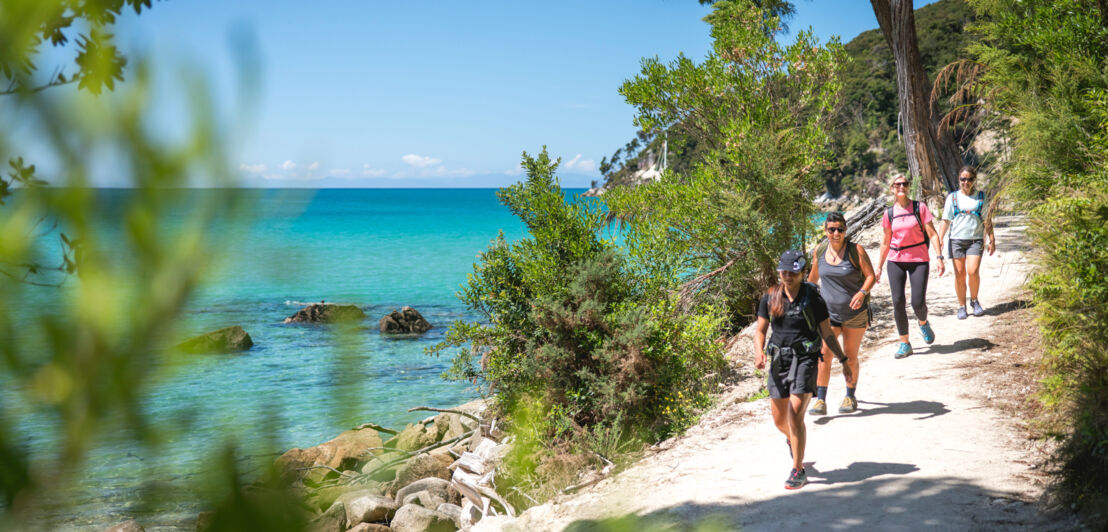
(377, 428)
(362, 478)
(445, 411)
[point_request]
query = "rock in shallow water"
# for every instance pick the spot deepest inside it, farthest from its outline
(344, 452)
(327, 313)
(404, 321)
(224, 340)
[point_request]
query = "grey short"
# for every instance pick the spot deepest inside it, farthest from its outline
(960, 248)
(792, 375)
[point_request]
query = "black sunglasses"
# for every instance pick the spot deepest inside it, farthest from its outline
(900, 184)
(964, 180)
(835, 229)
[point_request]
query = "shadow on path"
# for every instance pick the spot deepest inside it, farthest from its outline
(925, 409)
(959, 345)
(858, 471)
(1007, 306)
(863, 501)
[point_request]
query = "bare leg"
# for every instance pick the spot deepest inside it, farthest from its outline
(798, 404)
(960, 280)
(780, 410)
(823, 378)
(852, 343)
(973, 269)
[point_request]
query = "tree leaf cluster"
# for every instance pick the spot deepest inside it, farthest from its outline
(759, 111)
(864, 142)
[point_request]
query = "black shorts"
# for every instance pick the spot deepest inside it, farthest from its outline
(792, 375)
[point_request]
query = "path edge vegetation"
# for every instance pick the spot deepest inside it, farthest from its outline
(595, 349)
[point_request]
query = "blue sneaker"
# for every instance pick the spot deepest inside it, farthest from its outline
(928, 334)
(962, 313)
(977, 310)
(904, 350)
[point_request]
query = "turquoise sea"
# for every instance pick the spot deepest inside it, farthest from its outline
(300, 385)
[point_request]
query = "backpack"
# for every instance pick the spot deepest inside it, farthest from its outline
(851, 253)
(915, 212)
(980, 197)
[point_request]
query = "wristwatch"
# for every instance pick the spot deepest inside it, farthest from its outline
(940, 257)
(863, 291)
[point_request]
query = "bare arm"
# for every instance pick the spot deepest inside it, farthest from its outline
(813, 276)
(831, 341)
(938, 245)
(888, 241)
(943, 227)
(760, 342)
(867, 284)
(991, 247)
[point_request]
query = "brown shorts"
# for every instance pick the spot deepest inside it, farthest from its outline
(860, 320)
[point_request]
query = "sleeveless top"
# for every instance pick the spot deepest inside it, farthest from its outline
(838, 284)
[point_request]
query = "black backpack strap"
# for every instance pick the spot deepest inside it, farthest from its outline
(915, 213)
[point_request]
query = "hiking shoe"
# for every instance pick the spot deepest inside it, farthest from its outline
(819, 408)
(849, 405)
(962, 313)
(977, 310)
(928, 334)
(797, 479)
(904, 350)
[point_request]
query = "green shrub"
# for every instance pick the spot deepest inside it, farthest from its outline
(1047, 70)
(570, 327)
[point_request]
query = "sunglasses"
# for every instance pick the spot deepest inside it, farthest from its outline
(964, 180)
(899, 184)
(835, 229)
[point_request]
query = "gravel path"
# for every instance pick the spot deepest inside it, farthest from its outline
(926, 451)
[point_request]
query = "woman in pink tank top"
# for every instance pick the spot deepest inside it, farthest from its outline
(908, 234)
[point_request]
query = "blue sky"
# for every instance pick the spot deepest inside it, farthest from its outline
(434, 93)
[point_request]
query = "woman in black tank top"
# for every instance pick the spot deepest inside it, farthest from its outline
(847, 276)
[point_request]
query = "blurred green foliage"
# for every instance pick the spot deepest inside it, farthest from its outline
(759, 110)
(82, 343)
(1047, 68)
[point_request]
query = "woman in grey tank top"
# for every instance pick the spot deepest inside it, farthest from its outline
(845, 275)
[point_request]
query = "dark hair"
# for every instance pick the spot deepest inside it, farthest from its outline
(968, 169)
(776, 300)
(835, 217)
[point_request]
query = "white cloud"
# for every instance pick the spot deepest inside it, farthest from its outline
(419, 161)
(313, 166)
(288, 165)
(514, 171)
(372, 172)
(579, 164)
(252, 168)
(442, 171)
(340, 172)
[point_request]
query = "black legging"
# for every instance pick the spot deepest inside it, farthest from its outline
(899, 272)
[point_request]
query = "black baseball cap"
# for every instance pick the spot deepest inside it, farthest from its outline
(791, 261)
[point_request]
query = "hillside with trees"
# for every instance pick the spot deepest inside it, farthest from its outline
(864, 142)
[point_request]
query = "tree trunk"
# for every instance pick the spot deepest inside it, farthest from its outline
(932, 156)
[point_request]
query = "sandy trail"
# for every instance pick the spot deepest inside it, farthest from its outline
(926, 450)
